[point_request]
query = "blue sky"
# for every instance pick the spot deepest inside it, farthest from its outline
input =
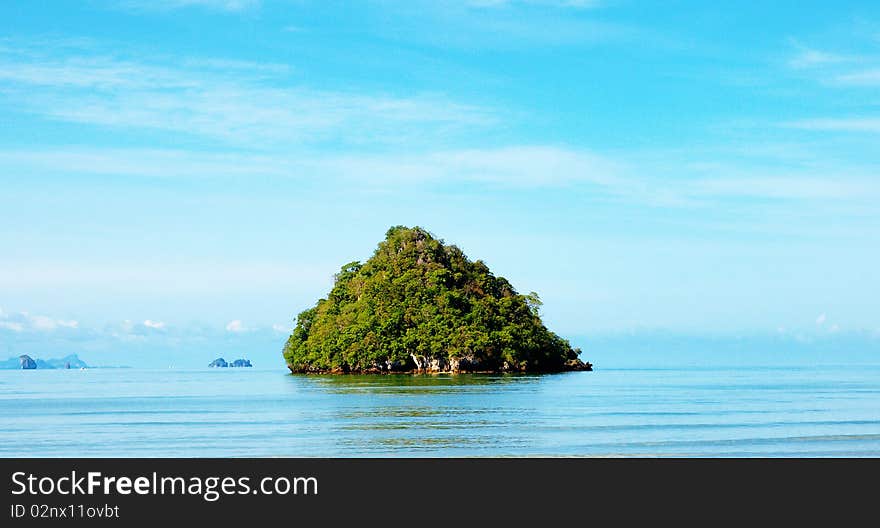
(189, 174)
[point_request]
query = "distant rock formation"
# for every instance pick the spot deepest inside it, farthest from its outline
(27, 363)
(221, 363)
(67, 362)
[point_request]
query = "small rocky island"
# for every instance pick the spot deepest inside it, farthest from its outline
(421, 306)
(25, 362)
(221, 363)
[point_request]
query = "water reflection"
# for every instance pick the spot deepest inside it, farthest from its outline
(423, 384)
(406, 413)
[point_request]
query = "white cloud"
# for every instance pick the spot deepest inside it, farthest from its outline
(43, 323)
(521, 165)
(80, 72)
(860, 78)
(855, 124)
(281, 329)
(190, 277)
(9, 325)
(821, 319)
(517, 166)
(157, 325)
(811, 58)
(223, 100)
(506, 25)
(791, 186)
(216, 5)
(638, 180)
(836, 69)
(23, 321)
(40, 322)
(577, 4)
(235, 326)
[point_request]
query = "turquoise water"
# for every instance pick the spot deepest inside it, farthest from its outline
(809, 411)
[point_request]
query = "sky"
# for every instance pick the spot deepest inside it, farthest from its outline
(181, 177)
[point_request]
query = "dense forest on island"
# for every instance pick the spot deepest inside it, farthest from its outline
(419, 305)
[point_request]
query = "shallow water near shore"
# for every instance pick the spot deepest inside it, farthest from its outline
(777, 412)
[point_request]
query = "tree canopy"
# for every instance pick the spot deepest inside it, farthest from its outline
(420, 305)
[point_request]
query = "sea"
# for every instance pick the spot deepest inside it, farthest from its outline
(809, 411)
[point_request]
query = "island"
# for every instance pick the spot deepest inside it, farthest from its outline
(25, 362)
(419, 305)
(221, 363)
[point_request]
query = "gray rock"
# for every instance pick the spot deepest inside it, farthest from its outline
(27, 363)
(394, 366)
(578, 365)
(464, 364)
(241, 363)
(219, 362)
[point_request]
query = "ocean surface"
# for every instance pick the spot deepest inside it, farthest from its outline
(691, 412)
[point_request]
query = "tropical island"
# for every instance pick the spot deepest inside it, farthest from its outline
(419, 305)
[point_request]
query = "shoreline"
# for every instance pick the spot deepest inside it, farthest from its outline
(583, 367)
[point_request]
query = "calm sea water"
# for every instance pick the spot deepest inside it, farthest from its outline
(828, 411)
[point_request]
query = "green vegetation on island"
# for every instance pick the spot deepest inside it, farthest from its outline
(418, 305)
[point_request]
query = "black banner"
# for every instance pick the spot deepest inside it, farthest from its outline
(406, 492)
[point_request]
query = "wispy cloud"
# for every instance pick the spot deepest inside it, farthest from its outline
(668, 179)
(26, 322)
(189, 277)
(869, 77)
(11, 325)
(500, 24)
(575, 4)
(790, 187)
(243, 5)
(221, 100)
(843, 73)
(273, 120)
(854, 124)
(168, 5)
(840, 69)
(811, 58)
(512, 166)
(236, 326)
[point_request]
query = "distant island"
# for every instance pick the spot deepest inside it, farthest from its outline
(421, 306)
(25, 362)
(221, 363)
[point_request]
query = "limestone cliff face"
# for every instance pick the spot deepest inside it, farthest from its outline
(420, 305)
